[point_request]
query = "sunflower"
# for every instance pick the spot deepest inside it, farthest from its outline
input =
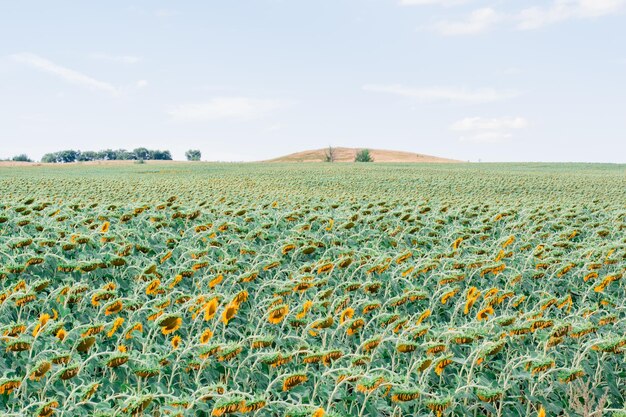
(277, 314)
(169, 324)
(423, 316)
(438, 406)
(176, 280)
(484, 313)
(213, 283)
(210, 309)
(448, 295)
(206, 336)
(90, 391)
(8, 385)
(114, 307)
(305, 308)
(60, 334)
(346, 314)
(47, 409)
(293, 380)
(227, 406)
(240, 298)
(176, 341)
(153, 287)
(404, 395)
(319, 413)
(229, 312)
(137, 327)
(43, 319)
(252, 406)
(40, 370)
(116, 325)
(441, 364)
(354, 326)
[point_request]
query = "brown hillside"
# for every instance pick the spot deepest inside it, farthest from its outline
(348, 154)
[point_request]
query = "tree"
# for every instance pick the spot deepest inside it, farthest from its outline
(363, 156)
(106, 155)
(49, 158)
(141, 153)
(67, 156)
(22, 158)
(161, 155)
(193, 155)
(87, 156)
(329, 155)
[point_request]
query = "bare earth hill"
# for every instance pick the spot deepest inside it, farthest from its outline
(348, 154)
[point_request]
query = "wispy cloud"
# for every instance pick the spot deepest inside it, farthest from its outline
(124, 59)
(561, 10)
(488, 130)
(449, 94)
(556, 11)
(64, 73)
(478, 21)
(234, 108)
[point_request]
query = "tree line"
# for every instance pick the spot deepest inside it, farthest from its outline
(139, 154)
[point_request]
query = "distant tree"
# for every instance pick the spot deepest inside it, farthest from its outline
(87, 156)
(193, 155)
(106, 155)
(124, 155)
(49, 158)
(363, 156)
(329, 155)
(141, 153)
(21, 158)
(161, 155)
(67, 156)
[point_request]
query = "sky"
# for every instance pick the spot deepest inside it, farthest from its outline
(244, 80)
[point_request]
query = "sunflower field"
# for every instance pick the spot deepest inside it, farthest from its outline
(313, 290)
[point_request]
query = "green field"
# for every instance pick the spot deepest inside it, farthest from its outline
(200, 289)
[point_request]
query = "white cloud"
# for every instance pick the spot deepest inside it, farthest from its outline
(142, 83)
(236, 108)
(483, 130)
(561, 10)
(484, 19)
(124, 59)
(478, 21)
(479, 123)
(66, 74)
(450, 94)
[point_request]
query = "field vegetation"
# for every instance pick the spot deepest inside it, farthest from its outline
(313, 290)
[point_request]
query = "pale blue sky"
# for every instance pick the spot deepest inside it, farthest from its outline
(497, 80)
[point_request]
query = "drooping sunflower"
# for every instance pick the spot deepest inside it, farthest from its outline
(293, 380)
(229, 312)
(170, 323)
(113, 307)
(277, 314)
(206, 336)
(210, 309)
